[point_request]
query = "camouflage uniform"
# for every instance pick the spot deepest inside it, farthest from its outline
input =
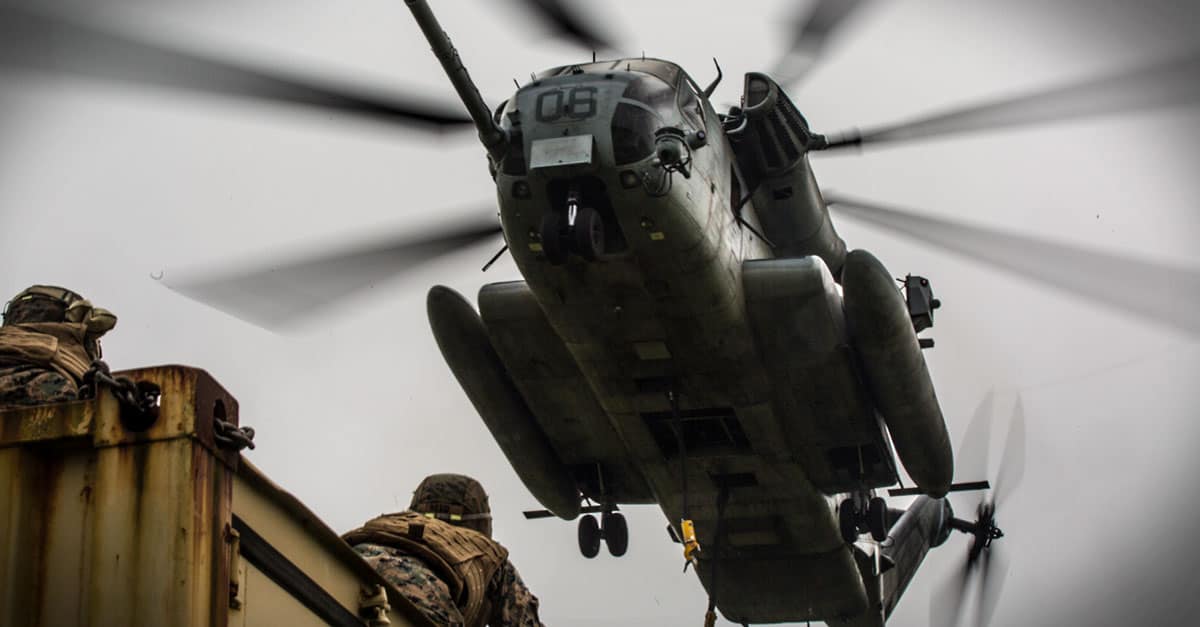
(34, 385)
(457, 506)
(49, 338)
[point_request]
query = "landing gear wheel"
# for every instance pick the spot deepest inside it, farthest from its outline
(588, 235)
(877, 519)
(554, 245)
(616, 533)
(589, 536)
(848, 521)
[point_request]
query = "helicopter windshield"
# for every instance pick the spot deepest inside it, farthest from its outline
(647, 100)
(664, 70)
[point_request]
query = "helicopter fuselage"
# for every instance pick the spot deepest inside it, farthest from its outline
(662, 309)
(662, 349)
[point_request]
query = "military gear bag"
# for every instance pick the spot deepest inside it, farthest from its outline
(464, 559)
(55, 346)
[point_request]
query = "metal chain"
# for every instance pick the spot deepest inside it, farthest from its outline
(232, 437)
(142, 397)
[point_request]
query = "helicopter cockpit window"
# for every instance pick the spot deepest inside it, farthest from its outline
(632, 133)
(651, 92)
(668, 72)
(646, 101)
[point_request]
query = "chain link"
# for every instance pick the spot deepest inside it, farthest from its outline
(140, 396)
(229, 436)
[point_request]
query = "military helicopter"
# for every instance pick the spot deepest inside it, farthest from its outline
(680, 335)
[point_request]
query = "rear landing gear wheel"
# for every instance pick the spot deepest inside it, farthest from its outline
(554, 244)
(616, 533)
(589, 536)
(877, 519)
(848, 521)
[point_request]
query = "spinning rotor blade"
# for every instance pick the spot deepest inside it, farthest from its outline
(1174, 82)
(971, 459)
(972, 456)
(569, 24)
(1012, 464)
(1167, 294)
(993, 571)
(812, 31)
(946, 603)
(983, 577)
(273, 295)
(36, 40)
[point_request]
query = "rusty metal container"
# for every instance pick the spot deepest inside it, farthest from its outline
(102, 525)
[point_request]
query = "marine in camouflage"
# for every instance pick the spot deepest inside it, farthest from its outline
(49, 338)
(513, 605)
(34, 385)
(442, 502)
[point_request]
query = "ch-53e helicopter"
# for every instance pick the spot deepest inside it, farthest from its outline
(691, 330)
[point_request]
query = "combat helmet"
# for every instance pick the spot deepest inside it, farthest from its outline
(457, 499)
(53, 304)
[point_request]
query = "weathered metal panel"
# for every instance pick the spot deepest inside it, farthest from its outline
(299, 535)
(100, 525)
(110, 527)
(20, 471)
(268, 604)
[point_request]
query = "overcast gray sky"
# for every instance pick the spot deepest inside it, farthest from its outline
(101, 186)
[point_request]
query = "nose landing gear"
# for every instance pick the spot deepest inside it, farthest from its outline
(580, 231)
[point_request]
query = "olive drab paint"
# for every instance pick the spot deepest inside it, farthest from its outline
(672, 253)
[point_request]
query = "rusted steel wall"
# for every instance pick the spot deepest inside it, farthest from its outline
(100, 525)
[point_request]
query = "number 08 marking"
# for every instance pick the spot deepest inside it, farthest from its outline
(577, 103)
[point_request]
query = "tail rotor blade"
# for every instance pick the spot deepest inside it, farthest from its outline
(32, 39)
(1167, 294)
(1174, 82)
(971, 460)
(947, 602)
(275, 294)
(1012, 464)
(992, 573)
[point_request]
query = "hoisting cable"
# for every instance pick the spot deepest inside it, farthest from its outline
(710, 617)
(687, 529)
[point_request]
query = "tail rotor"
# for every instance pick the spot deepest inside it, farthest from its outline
(984, 571)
